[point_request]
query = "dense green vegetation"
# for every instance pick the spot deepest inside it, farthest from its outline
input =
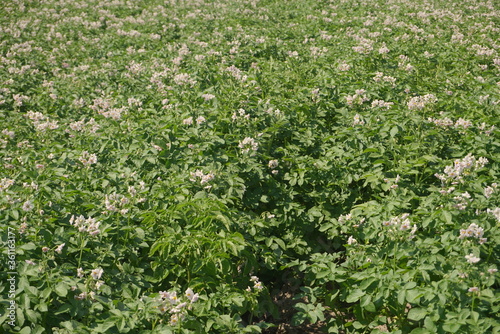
(231, 166)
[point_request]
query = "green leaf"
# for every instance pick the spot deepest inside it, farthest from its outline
(487, 293)
(61, 289)
(410, 285)
(429, 324)
(401, 297)
(139, 233)
(25, 330)
(63, 309)
(37, 330)
(104, 327)
(447, 216)
(354, 296)
(42, 307)
(121, 324)
(20, 317)
(208, 325)
(413, 296)
(370, 307)
(357, 325)
(417, 314)
(394, 131)
(366, 283)
(451, 327)
(27, 246)
(280, 243)
(32, 316)
(365, 300)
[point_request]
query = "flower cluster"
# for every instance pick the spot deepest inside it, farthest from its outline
(420, 102)
(379, 76)
(351, 241)
(198, 175)
(248, 144)
(97, 273)
(472, 259)
(448, 123)
(495, 212)
(274, 112)
(189, 120)
(483, 129)
(257, 284)
(357, 120)
(343, 219)
(358, 98)
(104, 107)
(317, 52)
(461, 167)
(365, 46)
(37, 119)
(89, 225)
(240, 114)
(236, 73)
(462, 200)
(404, 63)
(394, 184)
(94, 285)
(28, 206)
(208, 97)
(184, 79)
(5, 184)
(273, 164)
(59, 248)
(114, 113)
(81, 126)
(382, 104)
(115, 202)
(88, 159)
(489, 190)
(172, 304)
(402, 223)
(344, 67)
(473, 231)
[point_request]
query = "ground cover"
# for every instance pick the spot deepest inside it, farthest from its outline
(227, 166)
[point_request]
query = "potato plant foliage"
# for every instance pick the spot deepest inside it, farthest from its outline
(173, 166)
